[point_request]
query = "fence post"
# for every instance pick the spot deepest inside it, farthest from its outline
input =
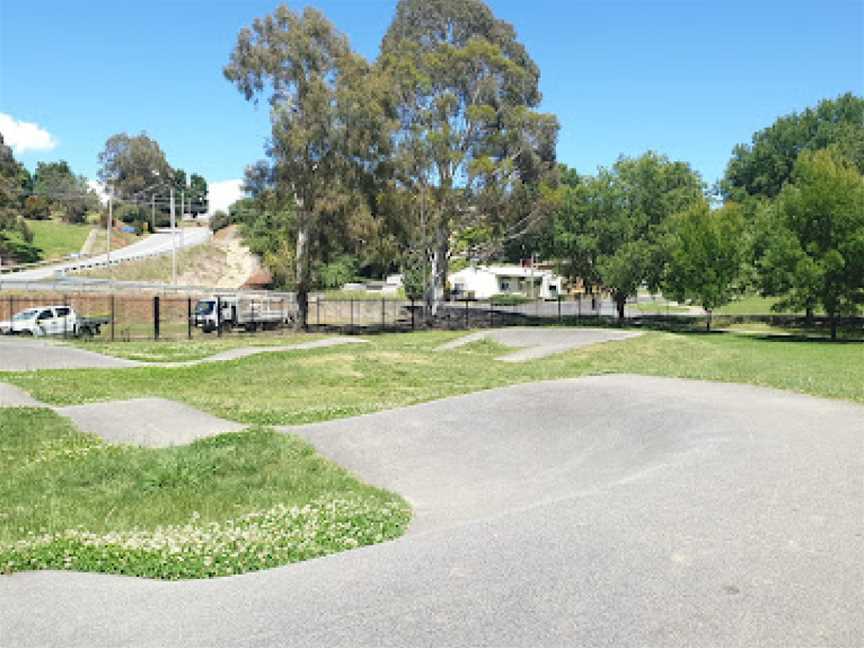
(579, 308)
(383, 314)
(412, 313)
(188, 318)
(65, 318)
(317, 310)
(559, 308)
(351, 306)
(491, 313)
(113, 310)
(218, 316)
(466, 312)
(156, 317)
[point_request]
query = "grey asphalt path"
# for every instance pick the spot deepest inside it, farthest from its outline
(26, 354)
(539, 342)
(149, 422)
(11, 396)
(613, 510)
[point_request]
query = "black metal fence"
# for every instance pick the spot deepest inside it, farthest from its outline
(137, 316)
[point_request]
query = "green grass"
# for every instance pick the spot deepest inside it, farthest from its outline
(229, 504)
(359, 295)
(752, 305)
(660, 308)
(401, 369)
(56, 239)
(195, 349)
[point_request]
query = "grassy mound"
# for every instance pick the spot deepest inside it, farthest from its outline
(229, 504)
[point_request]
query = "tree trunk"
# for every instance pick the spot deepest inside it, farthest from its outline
(708, 320)
(808, 316)
(833, 318)
(620, 302)
(302, 275)
(438, 273)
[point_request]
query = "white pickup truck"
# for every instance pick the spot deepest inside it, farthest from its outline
(52, 320)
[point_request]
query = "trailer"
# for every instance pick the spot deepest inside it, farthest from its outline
(224, 312)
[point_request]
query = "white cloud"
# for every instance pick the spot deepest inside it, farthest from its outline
(25, 136)
(223, 193)
(99, 188)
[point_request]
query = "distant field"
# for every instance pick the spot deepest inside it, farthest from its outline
(56, 239)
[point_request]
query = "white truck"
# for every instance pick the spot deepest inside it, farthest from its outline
(230, 311)
(52, 320)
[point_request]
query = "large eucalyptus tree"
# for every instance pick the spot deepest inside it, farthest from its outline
(327, 128)
(469, 135)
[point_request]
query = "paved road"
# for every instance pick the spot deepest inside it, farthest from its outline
(28, 354)
(536, 342)
(158, 243)
(613, 510)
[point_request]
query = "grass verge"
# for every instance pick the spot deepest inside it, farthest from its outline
(195, 349)
(230, 504)
(393, 370)
(56, 239)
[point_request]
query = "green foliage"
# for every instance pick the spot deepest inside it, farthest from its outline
(814, 237)
(415, 275)
(130, 165)
(225, 505)
(704, 255)
(608, 228)
(220, 220)
(765, 165)
(327, 132)
(15, 236)
(197, 197)
(509, 300)
(55, 185)
(470, 147)
(336, 273)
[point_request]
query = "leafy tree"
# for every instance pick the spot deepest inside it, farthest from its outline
(608, 230)
(705, 255)
(197, 198)
(465, 93)
(325, 124)
(814, 254)
(15, 237)
(130, 165)
(762, 167)
(58, 186)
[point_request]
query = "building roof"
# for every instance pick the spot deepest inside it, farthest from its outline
(509, 271)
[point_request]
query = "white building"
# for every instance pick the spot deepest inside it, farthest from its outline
(483, 282)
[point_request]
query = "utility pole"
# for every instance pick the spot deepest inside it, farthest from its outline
(108, 229)
(182, 208)
(173, 243)
(152, 213)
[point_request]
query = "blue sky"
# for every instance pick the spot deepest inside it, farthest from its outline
(687, 78)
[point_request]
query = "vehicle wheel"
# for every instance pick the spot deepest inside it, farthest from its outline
(85, 333)
(27, 333)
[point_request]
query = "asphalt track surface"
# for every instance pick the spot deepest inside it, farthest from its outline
(28, 354)
(603, 511)
(539, 342)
